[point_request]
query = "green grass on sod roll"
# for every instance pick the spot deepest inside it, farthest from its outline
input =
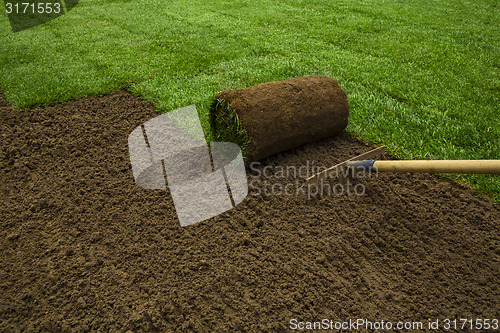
(421, 77)
(226, 126)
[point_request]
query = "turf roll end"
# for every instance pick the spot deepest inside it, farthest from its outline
(226, 125)
(277, 116)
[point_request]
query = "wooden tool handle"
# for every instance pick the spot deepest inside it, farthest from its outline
(440, 166)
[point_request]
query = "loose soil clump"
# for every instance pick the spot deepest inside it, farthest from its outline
(83, 248)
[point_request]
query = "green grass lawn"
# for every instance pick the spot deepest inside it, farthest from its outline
(421, 77)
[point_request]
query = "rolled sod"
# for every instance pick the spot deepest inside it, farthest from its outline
(277, 116)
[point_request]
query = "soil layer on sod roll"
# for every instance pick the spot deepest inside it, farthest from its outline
(276, 116)
(85, 249)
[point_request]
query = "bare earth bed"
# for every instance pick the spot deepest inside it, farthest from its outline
(85, 249)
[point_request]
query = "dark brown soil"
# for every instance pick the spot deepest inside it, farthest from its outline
(85, 249)
(281, 115)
